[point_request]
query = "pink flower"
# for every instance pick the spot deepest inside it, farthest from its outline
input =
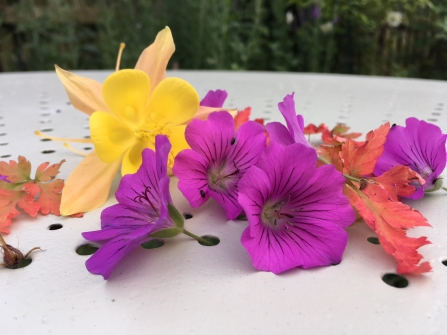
(220, 156)
(296, 212)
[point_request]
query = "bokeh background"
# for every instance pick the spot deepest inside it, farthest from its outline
(406, 38)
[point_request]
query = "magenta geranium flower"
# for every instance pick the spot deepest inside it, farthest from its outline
(142, 209)
(294, 133)
(420, 146)
(220, 156)
(214, 98)
(296, 212)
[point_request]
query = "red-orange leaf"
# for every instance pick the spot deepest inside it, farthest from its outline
(390, 220)
(360, 162)
(9, 200)
(16, 172)
(46, 172)
(50, 197)
(242, 117)
(397, 182)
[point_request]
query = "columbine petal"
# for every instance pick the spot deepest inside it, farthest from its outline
(173, 102)
(214, 98)
(154, 59)
(125, 92)
(85, 94)
(110, 136)
(132, 158)
(88, 185)
(296, 212)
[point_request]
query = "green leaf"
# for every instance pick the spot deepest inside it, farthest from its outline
(166, 233)
(176, 216)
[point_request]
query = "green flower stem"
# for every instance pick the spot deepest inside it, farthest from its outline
(344, 175)
(444, 188)
(198, 238)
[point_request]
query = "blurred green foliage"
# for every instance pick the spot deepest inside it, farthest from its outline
(405, 38)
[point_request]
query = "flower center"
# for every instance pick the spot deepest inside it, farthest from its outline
(149, 130)
(223, 177)
(277, 215)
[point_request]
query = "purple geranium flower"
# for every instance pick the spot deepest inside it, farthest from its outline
(218, 159)
(214, 98)
(294, 133)
(142, 209)
(296, 212)
(420, 146)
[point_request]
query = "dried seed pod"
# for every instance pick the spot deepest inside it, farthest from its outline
(13, 256)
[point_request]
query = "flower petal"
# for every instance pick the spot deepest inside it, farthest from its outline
(191, 170)
(173, 102)
(132, 158)
(214, 98)
(279, 133)
(154, 59)
(295, 123)
(125, 92)
(88, 185)
(110, 136)
(203, 112)
(85, 94)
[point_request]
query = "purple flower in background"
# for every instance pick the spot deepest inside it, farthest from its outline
(219, 158)
(294, 133)
(316, 11)
(214, 98)
(296, 212)
(4, 178)
(420, 146)
(142, 209)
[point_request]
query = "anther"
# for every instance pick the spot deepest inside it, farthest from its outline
(202, 193)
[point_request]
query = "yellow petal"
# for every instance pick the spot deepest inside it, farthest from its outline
(125, 92)
(88, 185)
(177, 139)
(110, 136)
(85, 94)
(154, 59)
(203, 112)
(132, 158)
(173, 102)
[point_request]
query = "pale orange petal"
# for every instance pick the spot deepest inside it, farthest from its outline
(203, 112)
(88, 185)
(85, 94)
(154, 59)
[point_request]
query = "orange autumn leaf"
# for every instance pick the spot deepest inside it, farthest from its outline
(19, 190)
(390, 220)
(242, 117)
(339, 135)
(313, 129)
(397, 182)
(360, 162)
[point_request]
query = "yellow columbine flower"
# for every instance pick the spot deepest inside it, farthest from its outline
(136, 117)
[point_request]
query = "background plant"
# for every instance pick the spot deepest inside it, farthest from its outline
(330, 36)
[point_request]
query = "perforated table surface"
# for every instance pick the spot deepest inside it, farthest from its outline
(186, 288)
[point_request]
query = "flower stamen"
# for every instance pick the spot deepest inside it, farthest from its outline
(120, 53)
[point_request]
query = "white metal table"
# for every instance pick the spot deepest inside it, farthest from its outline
(186, 288)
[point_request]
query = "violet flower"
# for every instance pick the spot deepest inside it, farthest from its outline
(142, 209)
(294, 133)
(296, 212)
(214, 98)
(220, 156)
(420, 146)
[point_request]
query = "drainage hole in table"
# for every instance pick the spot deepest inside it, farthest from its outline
(86, 249)
(187, 216)
(88, 148)
(55, 226)
(24, 263)
(3, 134)
(46, 130)
(45, 121)
(68, 103)
(211, 239)
(45, 140)
(45, 114)
(373, 240)
(153, 244)
(432, 120)
(2, 144)
(48, 151)
(444, 262)
(395, 280)
(58, 110)
(5, 156)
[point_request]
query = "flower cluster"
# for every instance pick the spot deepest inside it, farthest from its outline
(298, 199)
